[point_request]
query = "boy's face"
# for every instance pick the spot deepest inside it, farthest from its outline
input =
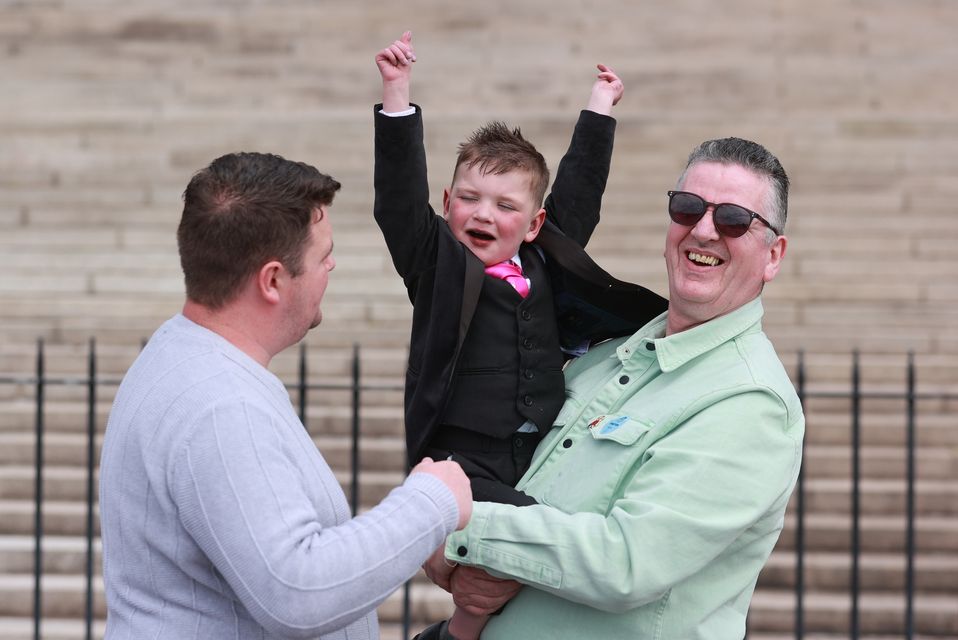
(492, 214)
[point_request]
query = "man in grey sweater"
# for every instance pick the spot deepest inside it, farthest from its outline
(220, 519)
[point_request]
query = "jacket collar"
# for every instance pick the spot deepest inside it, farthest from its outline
(675, 350)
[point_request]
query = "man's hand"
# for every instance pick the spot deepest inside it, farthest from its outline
(395, 67)
(440, 570)
(453, 477)
(606, 91)
(479, 593)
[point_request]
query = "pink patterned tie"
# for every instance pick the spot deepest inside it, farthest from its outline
(511, 273)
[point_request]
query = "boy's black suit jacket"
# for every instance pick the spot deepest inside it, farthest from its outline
(443, 278)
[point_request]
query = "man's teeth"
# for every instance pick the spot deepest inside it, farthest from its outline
(699, 258)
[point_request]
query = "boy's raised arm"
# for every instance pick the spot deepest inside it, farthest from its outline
(395, 67)
(576, 197)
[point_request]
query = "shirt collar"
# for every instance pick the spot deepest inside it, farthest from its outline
(675, 350)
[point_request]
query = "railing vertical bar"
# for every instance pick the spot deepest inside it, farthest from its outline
(90, 489)
(856, 496)
(302, 385)
(354, 460)
(407, 588)
(800, 518)
(38, 498)
(406, 609)
(910, 522)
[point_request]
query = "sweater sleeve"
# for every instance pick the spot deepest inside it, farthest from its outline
(279, 533)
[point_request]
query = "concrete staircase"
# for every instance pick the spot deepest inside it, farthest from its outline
(108, 107)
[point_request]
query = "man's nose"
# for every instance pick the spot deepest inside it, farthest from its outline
(705, 229)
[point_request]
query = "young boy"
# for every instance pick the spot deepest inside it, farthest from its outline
(484, 381)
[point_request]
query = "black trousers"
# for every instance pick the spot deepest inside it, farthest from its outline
(494, 465)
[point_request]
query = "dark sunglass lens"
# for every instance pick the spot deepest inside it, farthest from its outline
(686, 208)
(731, 220)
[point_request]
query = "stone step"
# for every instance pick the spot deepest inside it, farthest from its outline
(59, 449)
(888, 462)
(831, 571)
(880, 426)
(880, 496)
(58, 518)
(62, 555)
(22, 628)
(832, 532)
(63, 596)
(935, 615)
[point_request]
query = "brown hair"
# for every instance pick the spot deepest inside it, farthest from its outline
(497, 149)
(242, 211)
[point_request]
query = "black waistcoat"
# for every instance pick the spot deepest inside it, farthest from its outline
(510, 367)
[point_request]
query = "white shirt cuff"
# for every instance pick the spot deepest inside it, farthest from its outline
(399, 114)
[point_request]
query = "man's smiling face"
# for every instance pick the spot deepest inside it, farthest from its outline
(710, 274)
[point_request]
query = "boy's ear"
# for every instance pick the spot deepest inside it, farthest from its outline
(445, 203)
(537, 221)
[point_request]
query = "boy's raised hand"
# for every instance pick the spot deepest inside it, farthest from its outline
(395, 67)
(606, 91)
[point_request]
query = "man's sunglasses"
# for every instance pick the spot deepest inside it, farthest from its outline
(730, 220)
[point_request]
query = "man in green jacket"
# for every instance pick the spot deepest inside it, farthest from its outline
(663, 482)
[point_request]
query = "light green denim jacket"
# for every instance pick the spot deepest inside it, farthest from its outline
(662, 490)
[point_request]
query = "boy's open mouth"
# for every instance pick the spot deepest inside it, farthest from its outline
(480, 235)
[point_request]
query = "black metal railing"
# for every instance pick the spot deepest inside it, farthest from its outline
(40, 380)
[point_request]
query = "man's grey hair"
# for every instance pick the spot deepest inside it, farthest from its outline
(756, 158)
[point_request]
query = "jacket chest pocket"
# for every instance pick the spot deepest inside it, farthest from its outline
(594, 461)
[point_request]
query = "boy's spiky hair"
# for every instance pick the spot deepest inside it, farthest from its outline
(495, 148)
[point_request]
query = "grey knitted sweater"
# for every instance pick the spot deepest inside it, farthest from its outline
(220, 518)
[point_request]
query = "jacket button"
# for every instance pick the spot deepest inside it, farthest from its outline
(624, 380)
(567, 443)
(527, 343)
(517, 443)
(462, 551)
(527, 400)
(528, 374)
(650, 346)
(526, 315)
